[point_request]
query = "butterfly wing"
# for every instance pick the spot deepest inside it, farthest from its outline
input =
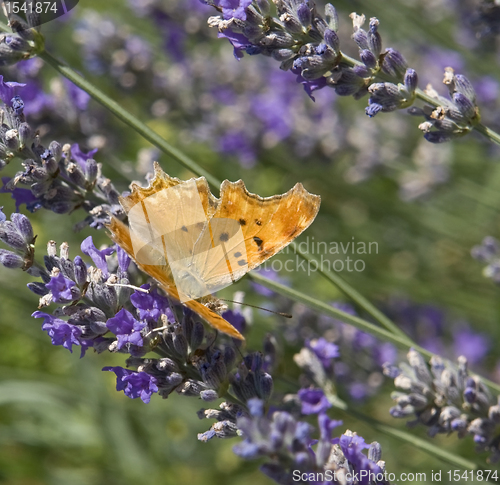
(120, 234)
(267, 225)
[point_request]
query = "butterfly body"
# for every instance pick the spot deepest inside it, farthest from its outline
(194, 244)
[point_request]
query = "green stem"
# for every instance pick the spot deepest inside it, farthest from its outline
(352, 293)
(400, 341)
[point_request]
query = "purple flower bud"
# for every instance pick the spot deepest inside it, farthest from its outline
(361, 38)
(180, 345)
(11, 236)
(10, 260)
(368, 58)
(374, 39)
(209, 395)
(55, 150)
(304, 14)
(282, 55)
(332, 40)
(76, 175)
(80, 269)
(375, 452)
(91, 170)
(25, 133)
(411, 80)
(465, 106)
(464, 86)
(38, 288)
(394, 63)
(17, 105)
(16, 43)
(24, 227)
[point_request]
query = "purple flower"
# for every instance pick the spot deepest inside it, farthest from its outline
(238, 41)
(324, 350)
(20, 196)
(352, 447)
(314, 401)
(3, 217)
(326, 426)
(81, 157)
(310, 85)
(126, 328)
(234, 8)
(123, 259)
(63, 289)
(98, 256)
(61, 332)
(151, 305)
(8, 90)
(134, 384)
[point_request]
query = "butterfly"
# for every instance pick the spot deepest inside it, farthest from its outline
(194, 244)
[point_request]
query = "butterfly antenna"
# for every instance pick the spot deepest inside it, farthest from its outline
(286, 315)
(136, 288)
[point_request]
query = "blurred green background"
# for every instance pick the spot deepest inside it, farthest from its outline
(61, 420)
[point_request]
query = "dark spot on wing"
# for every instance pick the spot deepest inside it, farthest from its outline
(259, 223)
(242, 262)
(224, 237)
(237, 255)
(242, 222)
(184, 228)
(200, 225)
(258, 241)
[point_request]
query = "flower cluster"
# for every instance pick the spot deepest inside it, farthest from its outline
(98, 308)
(18, 235)
(24, 42)
(287, 443)
(447, 399)
(357, 372)
(307, 43)
(453, 117)
(60, 178)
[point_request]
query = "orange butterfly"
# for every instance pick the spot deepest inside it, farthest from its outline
(194, 244)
